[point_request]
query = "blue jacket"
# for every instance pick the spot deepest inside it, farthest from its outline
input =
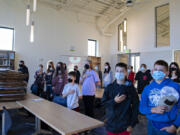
(150, 98)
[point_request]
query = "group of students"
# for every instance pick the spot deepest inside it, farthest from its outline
(160, 100)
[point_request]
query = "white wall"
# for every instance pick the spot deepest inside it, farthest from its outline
(141, 31)
(55, 32)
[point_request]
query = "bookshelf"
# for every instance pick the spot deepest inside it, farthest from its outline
(7, 59)
(95, 61)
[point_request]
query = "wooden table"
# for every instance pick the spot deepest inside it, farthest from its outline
(61, 119)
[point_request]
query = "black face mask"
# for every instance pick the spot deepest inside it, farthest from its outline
(69, 80)
(86, 66)
(49, 66)
(20, 65)
(58, 68)
(173, 69)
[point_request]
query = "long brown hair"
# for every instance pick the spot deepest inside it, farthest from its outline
(52, 65)
(61, 69)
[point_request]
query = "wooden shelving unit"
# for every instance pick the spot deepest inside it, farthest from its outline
(95, 61)
(7, 59)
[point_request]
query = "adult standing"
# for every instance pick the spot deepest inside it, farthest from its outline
(23, 69)
(78, 74)
(108, 75)
(89, 81)
(143, 77)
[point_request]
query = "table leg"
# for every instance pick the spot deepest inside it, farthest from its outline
(38, 129)
(3, 123)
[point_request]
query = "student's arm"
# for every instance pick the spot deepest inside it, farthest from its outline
(143, 107)
(79, 93)
(96, 78)
(134, 105)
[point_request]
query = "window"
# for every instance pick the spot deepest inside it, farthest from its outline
(6, 38)
(122, 36)
(162, 26)
(92, 47)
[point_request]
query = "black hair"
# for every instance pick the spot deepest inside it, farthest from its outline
(72, 73)
(121, 64)
(177, 69)
(109, 68)
(162, 63)
(144, 65)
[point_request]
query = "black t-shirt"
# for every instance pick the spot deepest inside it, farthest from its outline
(143, 80)
(24, 70)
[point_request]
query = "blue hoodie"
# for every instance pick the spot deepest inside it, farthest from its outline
(150, 98)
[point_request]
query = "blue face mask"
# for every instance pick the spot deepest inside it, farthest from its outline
(142, 68)
(158, 75)
(119, 76)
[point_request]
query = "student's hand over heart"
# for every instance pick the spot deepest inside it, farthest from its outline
(119, 99)
(170, 129)
(159, 109)
(71, 91)
(129, 129)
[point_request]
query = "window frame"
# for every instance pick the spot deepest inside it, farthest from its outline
(13, 40)
(95, 46)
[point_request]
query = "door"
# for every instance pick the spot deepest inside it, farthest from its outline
(135, 61)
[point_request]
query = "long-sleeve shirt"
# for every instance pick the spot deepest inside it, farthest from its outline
(119, 116)
(58, 83)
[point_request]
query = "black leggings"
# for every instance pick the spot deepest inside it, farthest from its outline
(89, 105)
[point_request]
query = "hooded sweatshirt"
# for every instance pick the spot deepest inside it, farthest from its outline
(152, 96)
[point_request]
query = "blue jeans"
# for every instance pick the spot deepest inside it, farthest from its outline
(49, 92)
(60, 100)
(154, 131)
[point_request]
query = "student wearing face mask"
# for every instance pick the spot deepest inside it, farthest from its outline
(121, 103)
(39, 80)
(160, 102)
(48, 78)
(89, 81)
(143, 78)
(174, 72)
(59, 79)
(71, 94)
(108, 75)
(131, 74)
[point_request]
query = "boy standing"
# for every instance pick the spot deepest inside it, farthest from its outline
(160, 102)
(72, 92)
(121, 102)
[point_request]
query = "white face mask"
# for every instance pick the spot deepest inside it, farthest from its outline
(39, 68)
(129, 70)
(119, 76)
(96, 68)
(106, 67)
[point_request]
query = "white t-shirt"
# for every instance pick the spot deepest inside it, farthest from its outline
(72, 99)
